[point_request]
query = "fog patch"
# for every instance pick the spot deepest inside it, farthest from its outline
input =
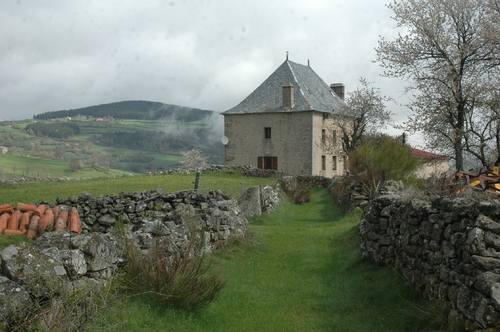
(206, 129)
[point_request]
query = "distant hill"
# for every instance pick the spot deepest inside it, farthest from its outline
(132, 109)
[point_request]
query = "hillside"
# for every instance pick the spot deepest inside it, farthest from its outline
(130, 136)
(131, 109)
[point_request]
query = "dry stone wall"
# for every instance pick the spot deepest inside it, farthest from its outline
(172, 216)
(57, 261)
(448, 248)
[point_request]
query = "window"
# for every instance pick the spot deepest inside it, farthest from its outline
(323, 163)
(267, 163)
(267, 132)
(325, 116)
(334, 163)
(334, 137)
(323, 136)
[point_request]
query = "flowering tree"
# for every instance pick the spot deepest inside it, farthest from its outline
(194, 160)
(449, 54)
(364, 113)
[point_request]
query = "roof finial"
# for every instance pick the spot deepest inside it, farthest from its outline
(308, 63)
(286, 55)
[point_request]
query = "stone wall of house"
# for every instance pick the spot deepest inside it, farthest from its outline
(448, 248)
(327, 146)
(247, 141)
(298, 154)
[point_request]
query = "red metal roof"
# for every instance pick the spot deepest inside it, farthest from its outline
(421, 154)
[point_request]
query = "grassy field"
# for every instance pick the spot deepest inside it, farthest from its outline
(300, 270)
(229, 182)
(19, 166)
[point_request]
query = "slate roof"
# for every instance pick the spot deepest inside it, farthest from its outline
(311, 93)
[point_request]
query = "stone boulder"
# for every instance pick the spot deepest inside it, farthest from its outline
(45, 266)
(95, 255)
(13, 299)
(250, 203)
(33, 269)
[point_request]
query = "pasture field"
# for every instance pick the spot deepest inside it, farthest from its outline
(229, 182)
(22, 166)
(83, 147)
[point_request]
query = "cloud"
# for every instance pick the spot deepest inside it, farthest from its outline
(205, 54)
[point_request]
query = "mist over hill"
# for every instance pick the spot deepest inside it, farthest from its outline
(132, 109)
(141, 126)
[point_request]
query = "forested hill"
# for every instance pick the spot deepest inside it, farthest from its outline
(132, 109)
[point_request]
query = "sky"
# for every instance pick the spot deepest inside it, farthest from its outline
(59, 54)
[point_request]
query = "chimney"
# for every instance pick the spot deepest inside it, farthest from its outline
(339, 89)
(288, 101)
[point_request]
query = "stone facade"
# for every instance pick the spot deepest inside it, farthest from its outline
(296, 141)
(288, 124)
(448, 248)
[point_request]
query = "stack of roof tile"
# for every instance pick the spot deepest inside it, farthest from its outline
(32, 220)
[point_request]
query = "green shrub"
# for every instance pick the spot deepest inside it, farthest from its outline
(381, 157)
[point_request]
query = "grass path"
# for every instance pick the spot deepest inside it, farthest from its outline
(301, 271)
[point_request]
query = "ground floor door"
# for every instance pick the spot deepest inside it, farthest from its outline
(267, 163)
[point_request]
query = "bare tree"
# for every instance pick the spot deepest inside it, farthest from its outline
(75, 164)
(364, 112)
(447, 52)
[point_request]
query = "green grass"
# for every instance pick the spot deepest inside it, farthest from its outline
(301, 270)
(18, 166)
(9, 239)
(228, 182)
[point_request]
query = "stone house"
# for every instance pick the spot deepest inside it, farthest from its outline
(288, 124)
(432, 164)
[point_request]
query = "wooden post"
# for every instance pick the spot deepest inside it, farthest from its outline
(197, 180)
(382, 179)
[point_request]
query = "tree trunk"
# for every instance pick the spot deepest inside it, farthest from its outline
(459, 158)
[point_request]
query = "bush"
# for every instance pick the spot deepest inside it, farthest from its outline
(341, 189)
(175, 278)
(299, 192)
(75, 164)
(378, 157)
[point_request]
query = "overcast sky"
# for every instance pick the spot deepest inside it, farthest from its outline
(58, 54)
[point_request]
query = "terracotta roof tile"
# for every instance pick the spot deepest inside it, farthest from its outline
(36, 221)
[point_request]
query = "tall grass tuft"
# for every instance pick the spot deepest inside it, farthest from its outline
(175, 278)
